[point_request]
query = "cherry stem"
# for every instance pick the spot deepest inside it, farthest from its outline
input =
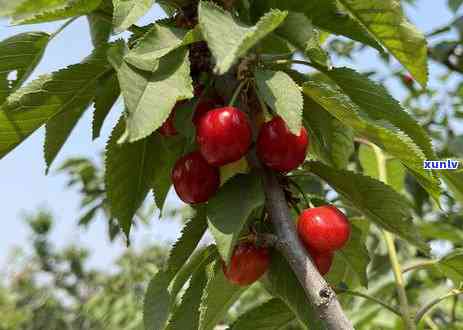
(263, 106)
(295, 207)
(291, 61)
(236, 93)
(298, 187)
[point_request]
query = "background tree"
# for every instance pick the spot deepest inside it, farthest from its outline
(366, 152)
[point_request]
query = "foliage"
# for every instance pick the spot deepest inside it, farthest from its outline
(74, 296)
(366, 156)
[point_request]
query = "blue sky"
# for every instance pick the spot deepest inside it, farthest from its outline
(25, 188)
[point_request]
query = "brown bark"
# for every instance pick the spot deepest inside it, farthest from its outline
(316, 288)
(318, 291)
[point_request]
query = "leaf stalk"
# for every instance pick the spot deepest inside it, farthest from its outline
(392, 251)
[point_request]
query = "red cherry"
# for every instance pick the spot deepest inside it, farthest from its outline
(204, 105)
(322, 261)
(324, 228)
(168, 128)
(407, 79)
(195, 181)
(224, 135)
(278, 148)
(247, 264)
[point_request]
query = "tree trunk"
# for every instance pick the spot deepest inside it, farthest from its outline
(317, 290)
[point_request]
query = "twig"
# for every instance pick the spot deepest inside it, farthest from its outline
(454, 309)
(423, 264)
(371, 298)
(392, 252)
(433, 303)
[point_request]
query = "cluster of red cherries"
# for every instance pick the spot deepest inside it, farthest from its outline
(323, 230)
(224, 135)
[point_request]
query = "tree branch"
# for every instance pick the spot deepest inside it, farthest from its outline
(317, 290)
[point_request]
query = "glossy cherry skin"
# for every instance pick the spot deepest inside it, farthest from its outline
(247, 264)
(280, 149)
(407, 79)
(205, 104)
(195, 181)
(322, 261)
(323, 229)
(168, 128)
(223, 135)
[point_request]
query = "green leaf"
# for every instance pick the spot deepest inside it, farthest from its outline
(128, 12)
(283, 95)
(330, 140)
(158, 42)
(377, 201)
(387, 22)
(19, 54)
(157, 301)
(88, 216)
(30, 7)
(100, 26)
(230, 208)
(203, 256)
(129, 173)
(150, 96)
(441, 231)
(172, 148)
(185, 315)
(299, 31)
(160, 295)
(107, 93)
(7, 7)
(394, 169)
(34, 104)
(327, 15)
(456, 145)
(352, 260)
(455, 4)
(218, 296)
(59, 128)
(454, 181)
(100, 29)
(190, 236)
(271, 315)
(215, 23)
(452, 266)
(381, 133)
(55, 13)
(374, 100)
(283, 284)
